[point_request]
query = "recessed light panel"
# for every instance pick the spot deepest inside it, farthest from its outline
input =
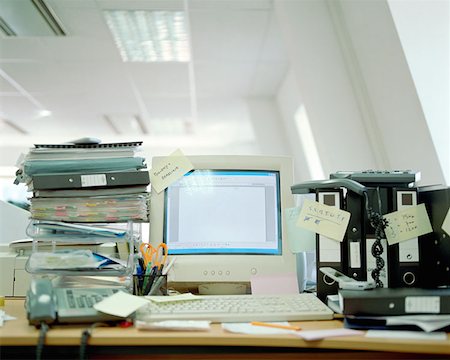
(147, 36)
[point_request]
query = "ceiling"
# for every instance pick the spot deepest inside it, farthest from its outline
(236, 53)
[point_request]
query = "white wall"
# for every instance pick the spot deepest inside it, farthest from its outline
(424, 30)
(353, 79)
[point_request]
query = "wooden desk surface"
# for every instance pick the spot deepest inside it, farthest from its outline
(19, 333)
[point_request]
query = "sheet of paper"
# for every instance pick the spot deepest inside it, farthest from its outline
(169, 170)
(120, 304)
(427, 323)
(323, 219)
(5, 317)
(311, 335)
(174, 325)
(247, 328)
(446, 223)
(181, 297)
(416, 335)
(407, 224)
(299, 239)
(274, 284)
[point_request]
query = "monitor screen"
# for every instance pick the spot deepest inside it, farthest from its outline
(224, 221)
(200, 207)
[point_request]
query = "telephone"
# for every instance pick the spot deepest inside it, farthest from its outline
(364, 254)
(47, 304)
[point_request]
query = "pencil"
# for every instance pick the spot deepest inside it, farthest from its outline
(277, 326)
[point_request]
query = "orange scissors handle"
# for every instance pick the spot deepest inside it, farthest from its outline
(160, 255)
(147, 253)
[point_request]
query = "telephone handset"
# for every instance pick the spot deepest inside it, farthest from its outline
(47, 304)
(41, 302)
(310, 186)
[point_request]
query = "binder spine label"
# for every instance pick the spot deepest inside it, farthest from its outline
(355, 255)
(423, 304)
(409, 249)
(93, 180)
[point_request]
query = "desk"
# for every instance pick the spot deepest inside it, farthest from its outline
(18, 339)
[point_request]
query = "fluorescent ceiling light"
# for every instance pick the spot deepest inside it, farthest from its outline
(44, 113)
(146, 36)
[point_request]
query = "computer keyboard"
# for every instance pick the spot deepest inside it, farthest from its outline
(239, 308)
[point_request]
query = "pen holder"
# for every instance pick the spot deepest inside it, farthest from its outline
(147, 284)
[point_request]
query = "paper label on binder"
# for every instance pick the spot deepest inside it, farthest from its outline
(322, 219)
(407, 224)
(93, 180)
(169, 170)
(446, 223)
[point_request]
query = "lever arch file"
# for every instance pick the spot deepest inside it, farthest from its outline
(80, 180)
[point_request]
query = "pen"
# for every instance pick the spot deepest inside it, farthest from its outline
(156, 285)
(169, 265)
(277, 326)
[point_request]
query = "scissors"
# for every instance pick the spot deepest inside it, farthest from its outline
(154, 256)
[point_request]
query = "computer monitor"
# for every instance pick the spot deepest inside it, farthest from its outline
(224, 221)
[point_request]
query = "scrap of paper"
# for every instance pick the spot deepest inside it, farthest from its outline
(247, 328)
(322, 219)
(172, 298)
(446, 223)
(299, 239)
(407, 224)
(174, 325)
(311, 335)
(5, 317)
(169, 170)
(274, 284)
(120, 304)
(416, 335)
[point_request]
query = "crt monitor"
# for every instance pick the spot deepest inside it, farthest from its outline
(224, 220)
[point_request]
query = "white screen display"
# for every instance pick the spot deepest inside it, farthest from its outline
(224, 211)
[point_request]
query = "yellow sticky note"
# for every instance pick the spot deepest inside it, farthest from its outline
(322, 219)
(169, 170)
(446, 223)
(407, 224)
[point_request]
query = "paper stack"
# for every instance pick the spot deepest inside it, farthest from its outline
(86, 182)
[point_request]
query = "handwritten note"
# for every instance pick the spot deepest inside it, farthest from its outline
(299, 239)
(407, 224)
(169, 170)
(120, 304)
(446, 223)
(323, 219)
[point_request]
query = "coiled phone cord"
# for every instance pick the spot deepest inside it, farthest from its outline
(379, 224)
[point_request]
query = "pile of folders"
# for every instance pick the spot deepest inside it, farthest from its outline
(86, 182)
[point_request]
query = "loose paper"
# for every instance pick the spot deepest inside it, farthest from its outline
(169, 170)
(407, 224)
(248, 328)
(181, 297)
(311, 335)
(323, 219)
(299, 239)
(416, 335)
(120, 304)
(446, 223)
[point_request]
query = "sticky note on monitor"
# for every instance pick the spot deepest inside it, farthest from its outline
(169, 170)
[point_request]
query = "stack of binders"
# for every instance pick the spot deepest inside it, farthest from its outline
(86, 183)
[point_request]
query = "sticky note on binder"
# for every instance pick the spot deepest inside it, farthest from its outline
(446, 223)
(407, 224)
(323, 219)
(169, 170)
